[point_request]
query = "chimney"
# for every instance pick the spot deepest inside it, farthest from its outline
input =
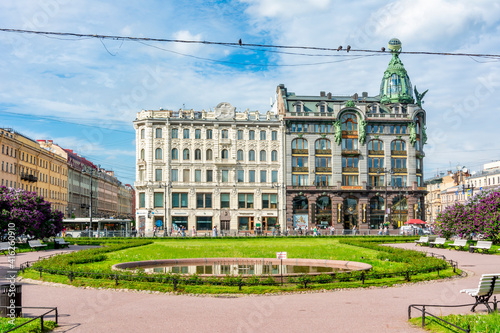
(364, 94)
(329, 96)
(322, 94)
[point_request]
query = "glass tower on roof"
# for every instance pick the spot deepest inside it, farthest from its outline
(396, 85)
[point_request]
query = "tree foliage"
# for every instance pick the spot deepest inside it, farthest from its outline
(479, 215)
(26, 213)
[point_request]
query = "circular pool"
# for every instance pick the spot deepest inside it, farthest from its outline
(243, 266)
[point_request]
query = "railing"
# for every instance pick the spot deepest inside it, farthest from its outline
(375, 152)
(398, 152)
(35, 318)
(300, 169)
(323, 169)
(349, 132)
(350, 169)
(323, 151)
(350, 152)
(300, 151)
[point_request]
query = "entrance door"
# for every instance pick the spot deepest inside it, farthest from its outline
(225, 225)
(350, 213)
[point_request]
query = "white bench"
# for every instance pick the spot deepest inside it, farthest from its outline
(489, 284)
(438, 242)
(458, 244)
(483, 246)
(422, 240)
(4, 247)
(36, 244)
(60, 243)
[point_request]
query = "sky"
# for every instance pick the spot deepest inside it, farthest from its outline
(84, 93)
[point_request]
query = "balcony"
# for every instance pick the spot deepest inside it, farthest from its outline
(29, 178)
(349, 133)
(376, 170)
(323, 169)
(350, 169)
(400, 170)
(300, 169)
(300, 151)
(323, 151)
(351, 152)
(398, 152)
(375, 152)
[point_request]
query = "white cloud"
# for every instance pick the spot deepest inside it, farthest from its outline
(186, 47)
(284, 8)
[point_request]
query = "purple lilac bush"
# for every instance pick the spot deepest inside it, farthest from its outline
(479, 215)
(26, 213)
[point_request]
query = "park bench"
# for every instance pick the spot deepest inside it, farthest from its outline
(483, 246)
(4, 247)
(36, 244)
(458, 244)
(422, 241)
(59, 243)
(489, 284)
(438, 242)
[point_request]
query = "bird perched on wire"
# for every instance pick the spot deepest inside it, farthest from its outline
(348, 48)
(383, 49)
(339, 48)
(239, 42)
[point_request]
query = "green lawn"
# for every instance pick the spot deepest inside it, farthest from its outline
(488, 323)
(33, 327)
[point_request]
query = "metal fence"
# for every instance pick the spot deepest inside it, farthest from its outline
(41, 317)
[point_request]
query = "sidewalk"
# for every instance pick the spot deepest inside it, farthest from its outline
(357, 310)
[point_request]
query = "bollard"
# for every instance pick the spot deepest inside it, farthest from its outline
(175, 284)
(423, 316)
(40, 270)
(116, 279)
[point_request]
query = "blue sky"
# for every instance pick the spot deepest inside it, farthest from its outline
(84, 93)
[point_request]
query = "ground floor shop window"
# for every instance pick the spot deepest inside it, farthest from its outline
(179, 221)
(246, 223)
(203, 223)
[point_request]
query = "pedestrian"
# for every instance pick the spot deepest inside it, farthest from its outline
(315, 231)
(287, 231)
(183, 230)
(154, 232)
(380, 230)
(354, 230)
(274, 231)
(214, 231)
(193, 232)
(385, 230)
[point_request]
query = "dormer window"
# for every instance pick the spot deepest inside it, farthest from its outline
(299, 107)
(322, 107)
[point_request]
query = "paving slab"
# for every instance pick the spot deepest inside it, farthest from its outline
(355, 310)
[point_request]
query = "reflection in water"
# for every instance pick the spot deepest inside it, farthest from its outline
(240, 269)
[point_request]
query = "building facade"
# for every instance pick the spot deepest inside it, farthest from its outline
(199, 169)
(355, 161)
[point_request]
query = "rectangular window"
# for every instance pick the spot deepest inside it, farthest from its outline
(240, 134)
(175, 133)
(225, 176)
(269, 201)
(185, 176)
(376, 162)
(299, 161)
(262, 135)
(179, 200)
(274, 176)
(245, 200)
(158, 175)
(158, 199)
(398, 163)
(224, 200)
(203, 223)
(209, 133)
(323, 180)
(376, 180)
(274, 135)
(197, 176)
(323, 162)
(203, 200)
(245, 223)
(185, 133)
(349, 180)
(251, 135)
(398, 181)
(175, 175)
(210, 176)
(263, 176)
(241, 176)
(300, 180)
(142, 200)
(224, 134)
(349, 162)
(197, 134)
(251, 176)
(158, 133)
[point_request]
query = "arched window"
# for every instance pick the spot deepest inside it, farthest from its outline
(349, 122)
(185, 154)
(274, 155)
(251, 155)
(239, 155)
(299, 144)
(175, 154)
(262, 155)
(143, 153)
(300, 205)
(377, 145)
(323, 205)
(158, 133)
(398, 145)
(224, 154)
(197, 154)
(377, 203)
(143, 133)
(209, 154)
(158, 154)
(322, 144)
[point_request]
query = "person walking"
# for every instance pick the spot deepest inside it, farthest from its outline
(214, 231)
(193, 232)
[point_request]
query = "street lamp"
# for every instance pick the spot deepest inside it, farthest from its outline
(278, 187)
(385, 172)
(165, 186)
(91, 172)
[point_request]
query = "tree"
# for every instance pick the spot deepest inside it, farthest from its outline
(479, 215)
(26, 213)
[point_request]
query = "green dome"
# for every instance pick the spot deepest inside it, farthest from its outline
(396, 84)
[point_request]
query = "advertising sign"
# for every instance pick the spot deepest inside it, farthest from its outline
(301, 221)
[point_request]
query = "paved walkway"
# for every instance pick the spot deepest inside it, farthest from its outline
(357, 310)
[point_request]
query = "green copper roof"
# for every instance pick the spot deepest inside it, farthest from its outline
(396, 85)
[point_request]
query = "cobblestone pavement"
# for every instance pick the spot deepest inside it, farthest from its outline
(357, 310)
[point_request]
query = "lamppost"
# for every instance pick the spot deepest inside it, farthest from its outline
(278, 187)
(91, 172)
(385, 172)
(165, 225)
